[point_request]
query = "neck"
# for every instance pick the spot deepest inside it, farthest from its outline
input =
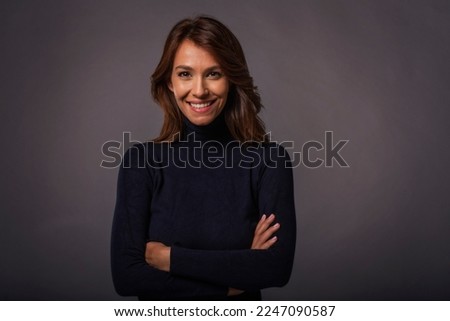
(216, 130)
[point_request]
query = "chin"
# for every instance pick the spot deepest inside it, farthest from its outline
(201, 120)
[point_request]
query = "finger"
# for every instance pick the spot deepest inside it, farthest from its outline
(265, 224)
(266, 245)
(259, 241)
(269, 243)
(262, 228)
(260, 222)
(269, 232)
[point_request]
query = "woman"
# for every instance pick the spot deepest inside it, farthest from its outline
(206, 210)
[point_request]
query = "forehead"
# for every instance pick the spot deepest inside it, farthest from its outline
(190, 54)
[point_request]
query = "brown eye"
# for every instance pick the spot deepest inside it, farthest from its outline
(214, 75)
(183, 74)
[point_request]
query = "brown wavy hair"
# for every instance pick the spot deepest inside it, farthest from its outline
(243, 102)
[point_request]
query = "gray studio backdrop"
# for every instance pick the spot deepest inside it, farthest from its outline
(75, 74)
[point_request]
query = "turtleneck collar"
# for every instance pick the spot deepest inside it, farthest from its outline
(216, 130)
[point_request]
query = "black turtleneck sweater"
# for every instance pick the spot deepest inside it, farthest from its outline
(203, 196)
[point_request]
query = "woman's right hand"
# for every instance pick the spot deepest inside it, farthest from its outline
(263, 239)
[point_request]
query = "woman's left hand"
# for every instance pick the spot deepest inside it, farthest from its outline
(263, 239)
(157, 255)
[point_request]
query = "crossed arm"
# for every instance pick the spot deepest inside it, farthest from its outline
(140, 268)
(157, 255)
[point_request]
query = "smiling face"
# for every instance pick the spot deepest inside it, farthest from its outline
(198, 84)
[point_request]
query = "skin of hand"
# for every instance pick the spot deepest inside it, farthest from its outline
(157, 254)
(262, 240)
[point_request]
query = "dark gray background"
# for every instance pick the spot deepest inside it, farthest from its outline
(75, 74)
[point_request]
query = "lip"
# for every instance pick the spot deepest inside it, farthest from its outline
(201, 110)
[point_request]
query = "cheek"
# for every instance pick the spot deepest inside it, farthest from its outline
(225, 92)
(179, 89)
(222, 89)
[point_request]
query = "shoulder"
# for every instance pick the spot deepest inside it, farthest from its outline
(142, 153)
(152, 155)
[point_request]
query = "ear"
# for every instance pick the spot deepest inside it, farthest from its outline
(170, 86)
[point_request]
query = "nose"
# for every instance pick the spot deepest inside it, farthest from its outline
(199, 88)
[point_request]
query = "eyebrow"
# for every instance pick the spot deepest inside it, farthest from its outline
(184, 67)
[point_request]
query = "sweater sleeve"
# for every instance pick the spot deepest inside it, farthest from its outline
(132, 276)
(252, 269)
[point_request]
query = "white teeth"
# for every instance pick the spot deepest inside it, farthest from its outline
(203, 105)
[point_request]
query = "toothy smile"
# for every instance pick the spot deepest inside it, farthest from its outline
(201, 105)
